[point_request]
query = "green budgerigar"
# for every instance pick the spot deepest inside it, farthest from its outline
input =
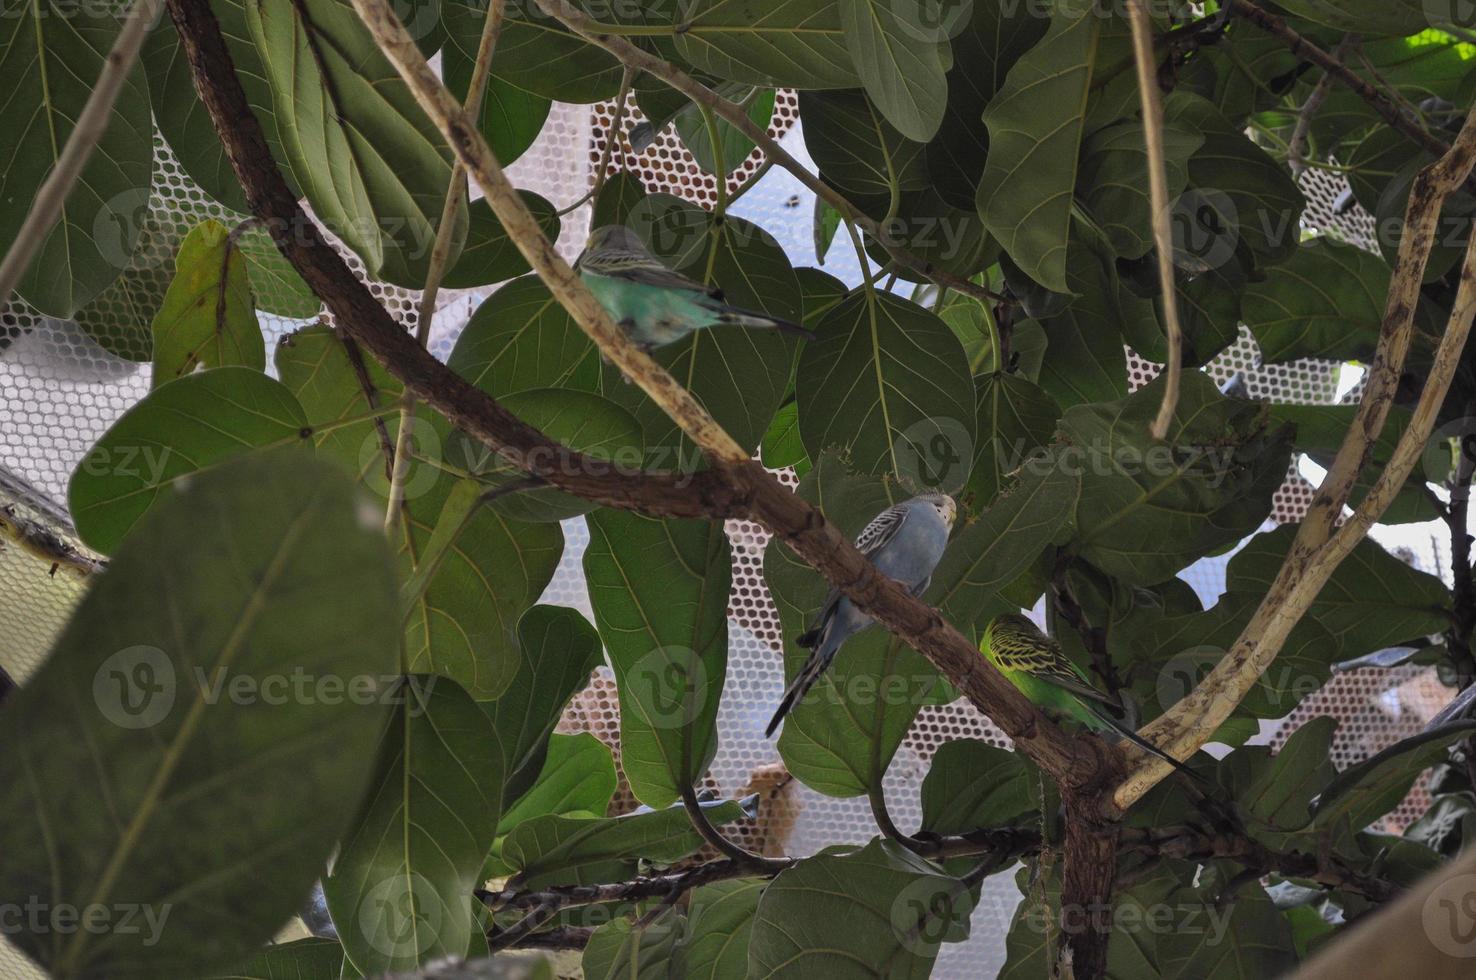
(654, 304)
(1034, 663)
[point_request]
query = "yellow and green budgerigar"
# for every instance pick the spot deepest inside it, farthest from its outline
(1034, 663)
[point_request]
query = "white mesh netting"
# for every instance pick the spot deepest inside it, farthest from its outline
(62, 385)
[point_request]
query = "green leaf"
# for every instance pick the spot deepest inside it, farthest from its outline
(209, 314)
(902, 63)
(880, 911)
(774, 43)
(403, 873)
(182, 118)
(1279, 793)
(1113, 183)
(177, 431)
(304, 959)
(489, 255)
(520, 337)
(1149, 508)
(578, 779)
(534, 52)
(659, 590)
(989, 555)
(1086, 362)
(883, 380)
(735, 147)
(619, 951)
(276, 285)
(739, 375)
(372, 165)
(1016, 420)
(1247, 938)
(511, 117)
(984, 51)
(52, 53)
(464, 626)
(559, 649)
(1364, 792)
(1397, 17)
(839, 739)
(782, 446)
(1036, 123)
(858, 152)
(972, 785)
(169, 706)
(323, 372)
(1326, 302)
(556, 850)
(719, 923)
(1372, 601)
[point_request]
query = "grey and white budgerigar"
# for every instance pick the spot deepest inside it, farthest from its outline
(905, 542)
(654, 304)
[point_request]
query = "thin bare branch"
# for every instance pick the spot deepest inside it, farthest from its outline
(92, 122)
(1163, 237)
(1296, 147)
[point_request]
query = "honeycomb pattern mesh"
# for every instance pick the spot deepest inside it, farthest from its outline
(63, 383)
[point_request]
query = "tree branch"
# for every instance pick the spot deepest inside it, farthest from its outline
(635, 57)
(1277, 26)
(1316, 552)
(92, 122)
(1163, 236)
(1296, 147)
(472, 150)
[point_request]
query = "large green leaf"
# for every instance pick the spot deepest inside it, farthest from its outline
(1114, 180)
(559, 649)
(520, 337)
(660, 595)
(511, 117)
(400, 882)
(1036, 123)
(534, 52)
(208, 318)
(902, 62)
(578, 779)
(1372, 601)
(1149, 508)
(619, 951)
(972, 785)
(274, 282)
(304, 959)
(464, 625)
(739, 375)
(1085, 336)
(556, 850)
(371, 164)
(719, 923)
(1016, 422)
(884, 379)
(880, 911)
(52, 52)
(778, 43)
(732, 146)
(858, 151)
(1275, 792)
(179, 430)
(145, 760)
(993, 552)
(1397, 17)
(1211, 940)
(1326, 301)
(181, 116)
(984, 51)
(839, 738)
(489, 255)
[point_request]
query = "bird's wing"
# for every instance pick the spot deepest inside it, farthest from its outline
(873, 537)
(636, 267)
(1042, 657)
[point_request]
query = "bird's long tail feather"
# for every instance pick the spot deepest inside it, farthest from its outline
(800, 686)
(1147, 746)
(747, 318)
